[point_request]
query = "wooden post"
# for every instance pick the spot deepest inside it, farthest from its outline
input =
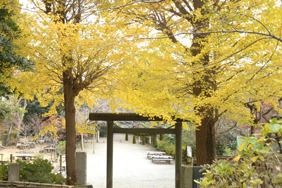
(143, 140)
(82, 142)
(11, 158)
(93, 143)
(178, 153)
(154, 140)
(61, 161)
(134, 139)
(110, 129)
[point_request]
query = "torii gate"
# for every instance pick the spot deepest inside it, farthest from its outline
(111, 117)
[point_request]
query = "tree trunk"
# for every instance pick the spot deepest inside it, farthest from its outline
(205, 142)
(20, 119)
(70, 127)
(7, 137)
(81, 142)
(203, 81)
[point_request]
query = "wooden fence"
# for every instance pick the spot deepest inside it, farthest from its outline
(20, 184)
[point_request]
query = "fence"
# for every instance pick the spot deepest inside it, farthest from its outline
(19, 184)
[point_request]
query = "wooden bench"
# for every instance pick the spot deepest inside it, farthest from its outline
(156, 159)
(23, 146)
(161, 157)
(24, 157)
(155, 153)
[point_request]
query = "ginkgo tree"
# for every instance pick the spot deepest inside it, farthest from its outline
(205, 58)
(76, 55)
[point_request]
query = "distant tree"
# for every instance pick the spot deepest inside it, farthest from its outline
(34, 122)
(12, 112)
(34, 109)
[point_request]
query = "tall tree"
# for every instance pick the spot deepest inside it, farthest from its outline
(74, 48)
(205, 59)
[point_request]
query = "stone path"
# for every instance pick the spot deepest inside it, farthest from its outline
(131, 167)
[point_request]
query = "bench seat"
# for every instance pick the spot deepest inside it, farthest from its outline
(160, 157)
(155, 153)
(155, 160)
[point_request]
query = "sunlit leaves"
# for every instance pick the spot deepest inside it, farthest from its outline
(243, 66)
(257, 162)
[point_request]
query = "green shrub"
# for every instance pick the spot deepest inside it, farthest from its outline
(170, 149)
(161, 145)
(39, 170)
(166, 146)
(256, 165)
(103, 132)
(220, 149)
(224, 173)
(4, 172)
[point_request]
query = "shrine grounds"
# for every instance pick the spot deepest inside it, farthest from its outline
(131, 167)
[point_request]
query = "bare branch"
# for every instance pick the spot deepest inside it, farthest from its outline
(257, 21)
(232, 127)
(214, 32)
(212, 64)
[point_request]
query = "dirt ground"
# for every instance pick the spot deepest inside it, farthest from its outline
(7, 151)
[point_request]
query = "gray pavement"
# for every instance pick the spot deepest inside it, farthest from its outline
(131, 167)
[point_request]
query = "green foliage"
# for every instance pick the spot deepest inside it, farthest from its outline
(34, 107)
(9, 31)
(228, 139)
(103, 131)
(39, 170)
(168, 143)
(166, 146)
(257, 159)
(224, 173)
(220, 149)
(4, 172)
(188, 139)
(12, 138)
(5, 110)
(8, 106)
(61, 146)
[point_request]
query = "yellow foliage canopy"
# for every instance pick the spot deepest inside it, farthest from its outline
(244, 50)
(91, 48)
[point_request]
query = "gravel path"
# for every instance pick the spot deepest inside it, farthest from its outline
(131, 167)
